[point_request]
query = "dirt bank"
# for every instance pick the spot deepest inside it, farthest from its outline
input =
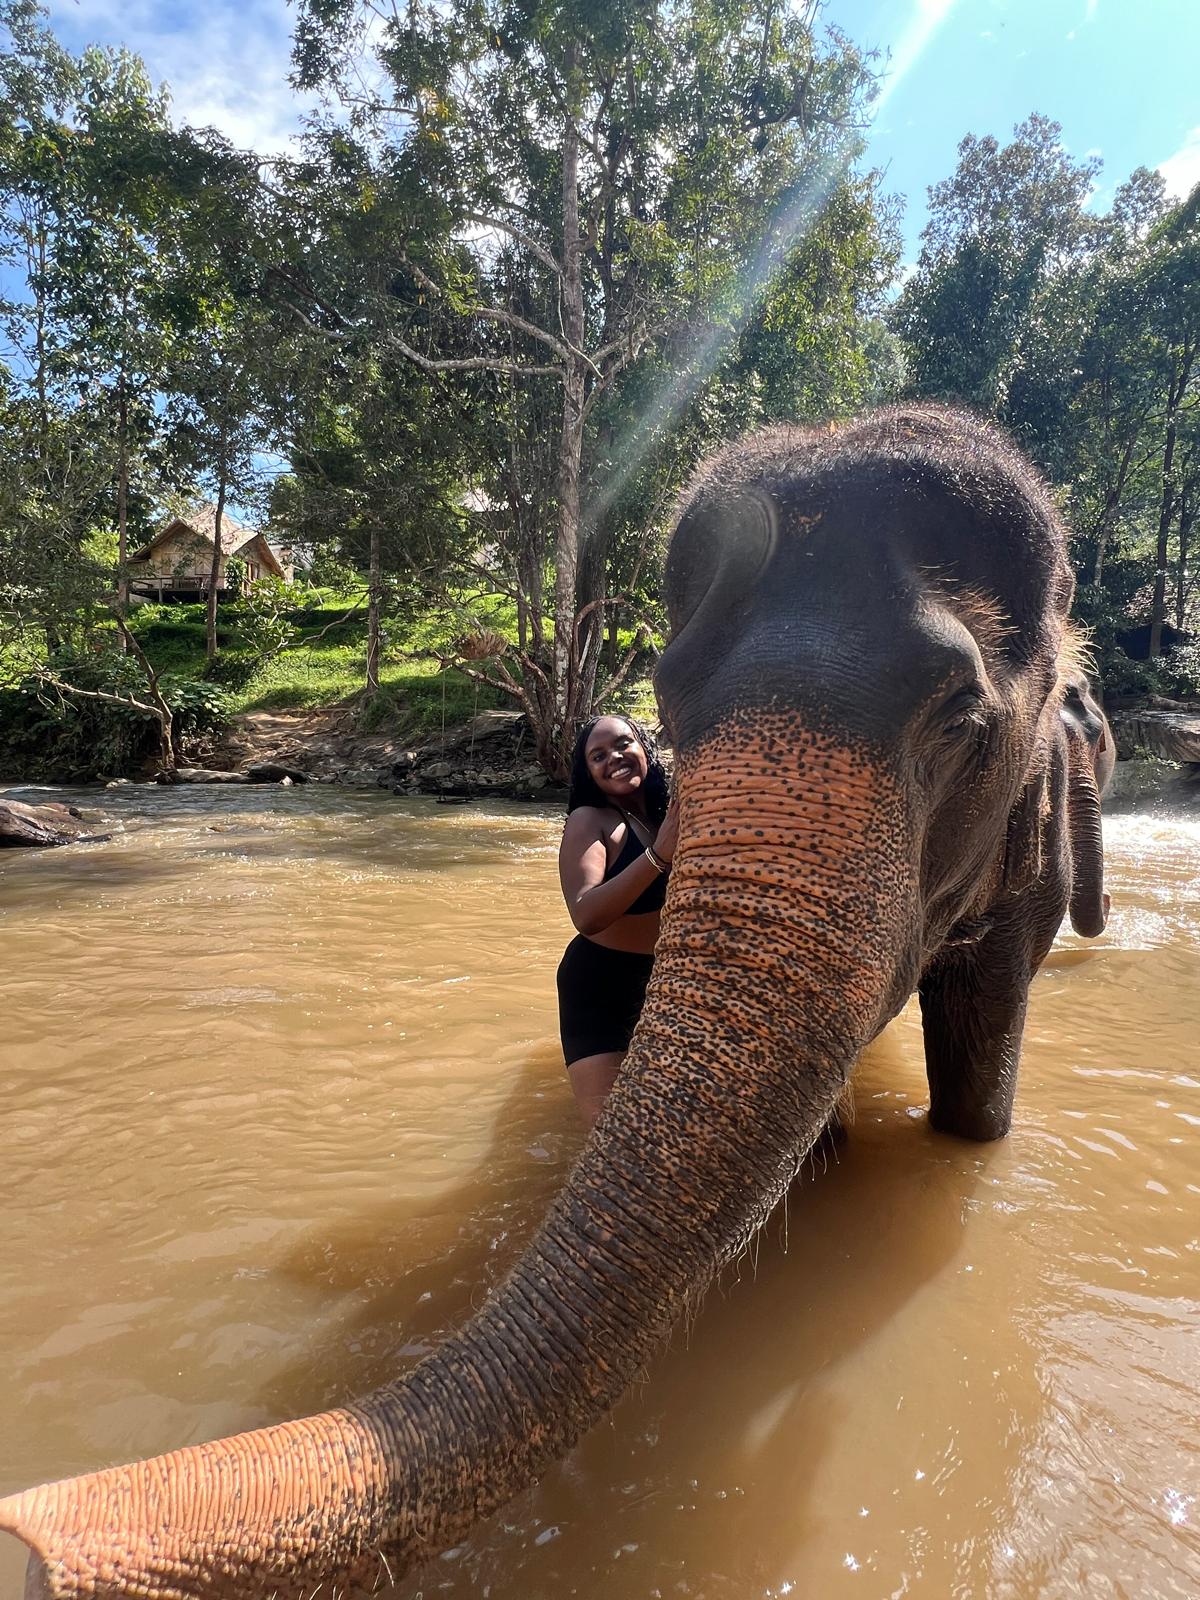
(493, 754)
(1144, 783)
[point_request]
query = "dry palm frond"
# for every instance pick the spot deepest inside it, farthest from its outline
(482, 644)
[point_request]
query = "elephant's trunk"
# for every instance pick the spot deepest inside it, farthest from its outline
(776, 964)
(1089, 903)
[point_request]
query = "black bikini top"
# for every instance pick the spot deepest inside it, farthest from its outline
(650, 899)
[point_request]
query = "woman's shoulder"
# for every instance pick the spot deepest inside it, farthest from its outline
(595, 822)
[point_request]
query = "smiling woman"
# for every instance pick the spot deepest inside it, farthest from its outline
(613, 864)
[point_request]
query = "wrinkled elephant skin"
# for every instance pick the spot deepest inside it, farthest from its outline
(1091, 757)
(881, 789)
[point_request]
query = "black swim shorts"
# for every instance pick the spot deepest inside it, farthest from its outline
(600, 995)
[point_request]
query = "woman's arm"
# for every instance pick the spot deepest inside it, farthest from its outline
(582, 858)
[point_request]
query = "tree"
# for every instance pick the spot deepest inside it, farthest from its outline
(585, 187)
(38, 80)
(1172, 287)
(90, 174)
(1005, 233)
(219, 366)
(373, 476)
(1115, 393)
(129, 180)
(1080, 332)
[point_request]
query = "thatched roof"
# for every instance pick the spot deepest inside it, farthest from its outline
(200, 523)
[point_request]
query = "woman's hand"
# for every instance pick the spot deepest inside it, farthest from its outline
(668, 834)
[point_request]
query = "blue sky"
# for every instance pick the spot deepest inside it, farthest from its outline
(1119, 75)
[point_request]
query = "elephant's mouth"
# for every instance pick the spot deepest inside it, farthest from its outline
(775, 965)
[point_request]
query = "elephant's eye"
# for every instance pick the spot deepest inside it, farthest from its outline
(964, 714)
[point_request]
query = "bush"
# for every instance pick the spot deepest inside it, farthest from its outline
(1116, 673)
(233, 669)
(198, 708)
(50, 736)
(173, 633)
(1182, 669)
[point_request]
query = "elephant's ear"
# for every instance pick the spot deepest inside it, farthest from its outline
(722, 543)
(1089, 903)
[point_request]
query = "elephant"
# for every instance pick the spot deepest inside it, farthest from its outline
(865, 687)
(1092, 755)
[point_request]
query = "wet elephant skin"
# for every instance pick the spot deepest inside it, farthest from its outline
(865, 687)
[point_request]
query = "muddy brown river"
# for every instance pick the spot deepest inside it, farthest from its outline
(283, 1100)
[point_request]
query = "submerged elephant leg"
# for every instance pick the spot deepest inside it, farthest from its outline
(973, 1014)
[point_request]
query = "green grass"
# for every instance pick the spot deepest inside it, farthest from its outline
(416, 694)
(325, 671)
(636, 698)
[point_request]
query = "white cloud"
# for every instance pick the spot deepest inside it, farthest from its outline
(1090, 13)
(927, 17)
(1182, 170)
(226, 62)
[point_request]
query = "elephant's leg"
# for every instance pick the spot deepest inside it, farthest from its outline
(973, 1012)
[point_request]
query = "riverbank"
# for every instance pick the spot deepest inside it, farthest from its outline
(1147, 784)
(490, 755)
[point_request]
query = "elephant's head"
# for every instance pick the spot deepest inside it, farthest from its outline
(859, 687)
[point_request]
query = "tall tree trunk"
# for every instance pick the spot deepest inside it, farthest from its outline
(214, 573)
(38, 260)
(374, 583)
(1165, 515)
(1108, 516)
(1187, 515)
(38, 278)
(592, 581)
(612, 645)
(1175, 394)
(122, 502)
(570, 451)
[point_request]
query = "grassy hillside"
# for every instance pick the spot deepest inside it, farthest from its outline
(327, 665)
(48, 736)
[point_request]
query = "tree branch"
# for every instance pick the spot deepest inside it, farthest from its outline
(469, 363)
(44, 674)
(531, 244)
(643, 639)
(508, 319)
(506, 685)
(311, 638)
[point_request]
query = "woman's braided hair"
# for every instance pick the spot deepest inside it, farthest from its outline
(583, 789)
